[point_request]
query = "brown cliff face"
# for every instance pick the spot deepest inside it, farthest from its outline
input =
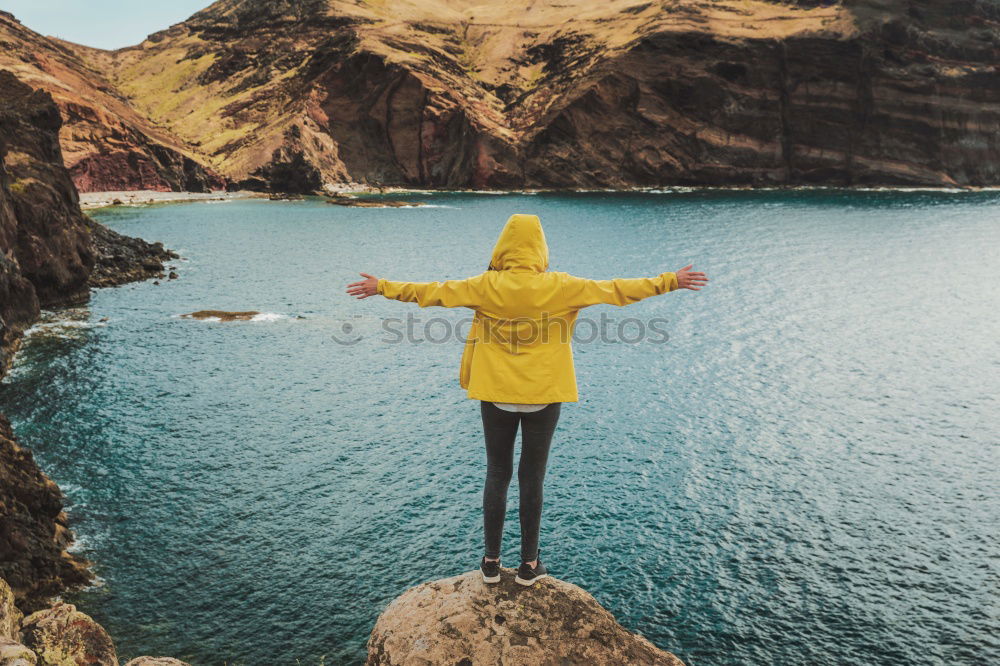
(45, 257)
(46, 232)
(106, 144)
(50, 254)
(618, 93)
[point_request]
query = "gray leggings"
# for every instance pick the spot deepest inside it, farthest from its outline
(500, 429)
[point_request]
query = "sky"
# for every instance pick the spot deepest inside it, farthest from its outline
(107, 24)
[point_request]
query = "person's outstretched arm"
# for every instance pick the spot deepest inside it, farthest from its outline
(581, 292)
(449, 294)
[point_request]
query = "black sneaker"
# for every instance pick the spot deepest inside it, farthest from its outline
(527, 576)
(490, 571)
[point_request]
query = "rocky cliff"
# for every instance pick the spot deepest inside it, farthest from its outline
(463, 621)
(50, 254)
(291, 94)
(106, 144)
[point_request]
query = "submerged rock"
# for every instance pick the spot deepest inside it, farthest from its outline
(362, 203)
(155, 661)
(63, 635)
(462, 620)
(224, 315)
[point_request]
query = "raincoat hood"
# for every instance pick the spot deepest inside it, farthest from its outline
(521, 245)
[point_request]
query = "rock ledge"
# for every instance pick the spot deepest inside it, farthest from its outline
(465, 622)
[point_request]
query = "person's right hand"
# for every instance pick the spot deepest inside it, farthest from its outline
(688, 279)
(365, 288)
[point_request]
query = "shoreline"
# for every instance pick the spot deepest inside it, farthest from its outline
(93, 200)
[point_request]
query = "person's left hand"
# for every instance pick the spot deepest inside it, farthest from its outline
(365, 288)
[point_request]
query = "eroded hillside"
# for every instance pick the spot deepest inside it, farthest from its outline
(574, 93)
(106, 144)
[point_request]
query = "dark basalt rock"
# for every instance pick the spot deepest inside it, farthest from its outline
(49, 239)
(122, 259)
(290, 174)
(33, 530)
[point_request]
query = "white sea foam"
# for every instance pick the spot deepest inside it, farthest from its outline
(421, 206)
(260, 316)
(66, 329)
(268, 316)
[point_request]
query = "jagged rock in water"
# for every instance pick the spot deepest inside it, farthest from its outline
(62, 635)
(122, 259)
(462, 620)
(157, 661)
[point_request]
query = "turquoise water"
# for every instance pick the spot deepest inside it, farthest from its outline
(804, 473)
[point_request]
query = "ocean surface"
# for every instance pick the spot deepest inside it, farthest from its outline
(795, 465)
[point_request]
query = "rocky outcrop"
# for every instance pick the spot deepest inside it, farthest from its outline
(462, 620)
(106, 144)
(15, 654)
(12, 652)
(51, 252)
(58, 636)
(10, 616)
(63, 635)
(122, 259)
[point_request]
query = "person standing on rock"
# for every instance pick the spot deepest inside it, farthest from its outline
(518, 362)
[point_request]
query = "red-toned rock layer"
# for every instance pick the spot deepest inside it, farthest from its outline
(106, 145)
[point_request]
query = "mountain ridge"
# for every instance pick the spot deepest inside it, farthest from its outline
(282, 95)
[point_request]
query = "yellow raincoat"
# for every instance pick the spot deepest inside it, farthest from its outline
(519, 345)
